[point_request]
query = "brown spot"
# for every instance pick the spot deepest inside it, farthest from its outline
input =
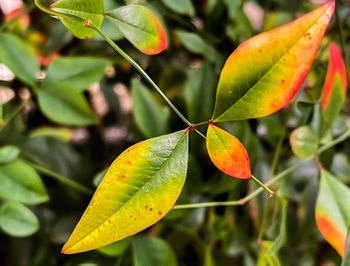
(128, 162)
(260, 50)
(150, 209)
(86, 37)
(283, 81)
(168, 142)
(109, 221)
(284, 59)
(146, 207)
(130, 216)
(134, 219)
(122, 176)
(51, 6)
(160, 213)
(308, 36)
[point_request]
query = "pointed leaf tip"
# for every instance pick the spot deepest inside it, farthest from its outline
(139, 189)
(227, 153)
(264, 73)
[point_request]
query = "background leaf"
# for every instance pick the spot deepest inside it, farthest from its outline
(152, 251)
(334, 89)
(8, 154)
(151, 117)
(260, 77)
(332, 211)
(184, 7)
(139, 188)
(17, 220)
(141, 27)
(60, 95)
(20, 182)
(304, 142)
(85, 9)
(20, 59)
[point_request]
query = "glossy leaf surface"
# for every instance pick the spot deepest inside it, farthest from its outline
(332, 211)
(17, 220)
(20, 182)
(153, 251)
(334, 89)
(85, 9)
(263, 74)
(227, 153)
(139, 188)
(23, 64)
(60, 95)
(304, 142)
(141, 27)
(151, 117)
(183, 7)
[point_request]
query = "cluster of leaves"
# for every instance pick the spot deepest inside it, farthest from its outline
(144, 182)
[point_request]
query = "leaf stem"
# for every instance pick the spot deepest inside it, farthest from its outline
(140, 70)
(263, 186)
(60, 178)
(252, 195)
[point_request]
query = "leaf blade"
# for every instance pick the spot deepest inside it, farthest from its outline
(139, 188)
(280, 60)
(332, 211)
(141, 27)
(227, 153)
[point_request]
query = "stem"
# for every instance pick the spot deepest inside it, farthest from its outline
(263, 186)
(342, 40)
(141, 71)
(60, 178)
(272, 181)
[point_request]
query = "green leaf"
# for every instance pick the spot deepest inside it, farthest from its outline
(346, 259)
(152, 251)
(84, 9)
(199, 93)
(17, 220)
(115, 249)
(151, 117)
(281, 238)
(20, 182)
(263, 74)
(304, 142)
(332, 211)
(195, 43)
(141, 27)
(16, 55)
(60, 95)
(8, 154)
(183, 7)
(139, 189)
(265, 257)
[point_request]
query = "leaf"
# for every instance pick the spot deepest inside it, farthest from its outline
(62, 134)
(183, 7)
(152, 251)
(227, 153)
(263, 74)
(85, 9)
(139, 188)
(60, 95)
(151, 117)
(20, 182)
(304, 142)
(141, 27)
(346, 259)
(199, 92)
(18, 58)
(8, 154)
(334, 89)
(195, 43)
(17, 220)
(115, 249)
(332, 211)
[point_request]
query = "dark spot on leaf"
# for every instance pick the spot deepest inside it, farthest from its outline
(146, 207)
(260, 50)
(134, 219)
(283, 81)
(160, 213)
(122, 176)
(128, 162)
(150, 209)
(284, 59)
(308, 36)
(109, 221)
(168, 142)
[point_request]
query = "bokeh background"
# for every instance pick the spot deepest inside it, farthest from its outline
(201, 35)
